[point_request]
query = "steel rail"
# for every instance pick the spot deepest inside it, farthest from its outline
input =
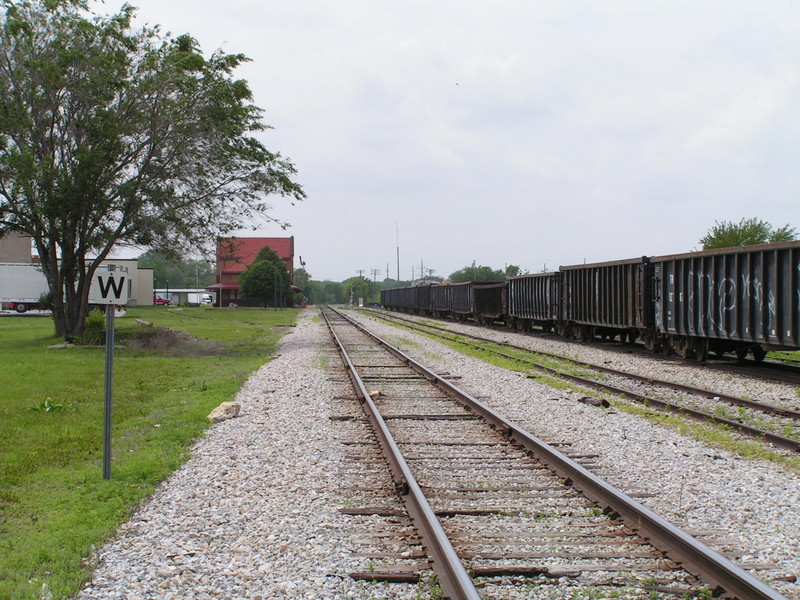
(451, 574)
(696, 557)
(754, 432)
(734, 400)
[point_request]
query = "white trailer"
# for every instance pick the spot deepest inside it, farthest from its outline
(199, 298)
(21, 286)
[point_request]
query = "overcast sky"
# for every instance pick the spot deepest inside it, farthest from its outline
(524, 132)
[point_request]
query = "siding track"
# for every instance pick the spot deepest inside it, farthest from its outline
(781, 417)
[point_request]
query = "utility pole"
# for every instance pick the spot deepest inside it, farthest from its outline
(375, 273)
(397, 233)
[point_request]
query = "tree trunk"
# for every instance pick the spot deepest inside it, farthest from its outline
(69, 288)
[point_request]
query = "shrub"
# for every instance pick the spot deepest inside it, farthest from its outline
(46, 301)
(94, 333)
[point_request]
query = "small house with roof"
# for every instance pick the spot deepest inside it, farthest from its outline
(234, 255)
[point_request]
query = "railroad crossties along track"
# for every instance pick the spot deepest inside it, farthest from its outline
(482, 508)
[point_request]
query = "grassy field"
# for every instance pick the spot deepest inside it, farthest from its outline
(54, 504)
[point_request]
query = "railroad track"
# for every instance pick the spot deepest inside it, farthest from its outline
(494, 507)
(784, 371)
(710, 405)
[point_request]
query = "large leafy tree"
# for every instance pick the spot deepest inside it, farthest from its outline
(477, 273)
(266, 279)
(260, 283)
(746, 232)
(110, 136)
(331, 292)
(359, 287)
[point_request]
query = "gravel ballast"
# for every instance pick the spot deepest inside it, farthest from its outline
(255, 512)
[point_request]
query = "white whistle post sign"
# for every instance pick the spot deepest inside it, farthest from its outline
(110, 287)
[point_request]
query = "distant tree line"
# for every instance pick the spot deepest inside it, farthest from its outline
(481, 273)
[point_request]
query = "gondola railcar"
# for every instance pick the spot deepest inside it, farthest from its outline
(738, 300)
(533, 300)
(605, 299)
(490, 301)
(741, 300)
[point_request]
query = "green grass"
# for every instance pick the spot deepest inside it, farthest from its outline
(717, 436)
(54, 504)
(791, 357)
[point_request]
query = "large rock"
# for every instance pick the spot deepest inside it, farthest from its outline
(225, 411)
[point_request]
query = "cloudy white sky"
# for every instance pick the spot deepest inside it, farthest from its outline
(525, 132)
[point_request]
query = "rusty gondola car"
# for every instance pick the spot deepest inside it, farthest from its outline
(490, 303)
(533, 300)
(739, 300)
(606, 299)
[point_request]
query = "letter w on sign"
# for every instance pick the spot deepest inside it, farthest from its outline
(111, 282)
(109, 286)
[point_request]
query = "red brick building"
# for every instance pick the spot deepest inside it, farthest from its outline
(234, 255)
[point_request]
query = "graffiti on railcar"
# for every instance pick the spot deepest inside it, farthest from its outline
(720, 306)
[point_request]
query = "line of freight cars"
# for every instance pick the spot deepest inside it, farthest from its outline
(737, 300)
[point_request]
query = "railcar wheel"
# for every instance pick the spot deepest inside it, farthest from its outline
(682, 346)
(651, 341)
(700, 349)
(758, 353)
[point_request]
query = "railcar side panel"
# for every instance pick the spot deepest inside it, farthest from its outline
(490, 300)
(408, 299)
(535, 297)
(422, 298)
(611, 295)
(749, 294)
(440, 299)
(461, 298)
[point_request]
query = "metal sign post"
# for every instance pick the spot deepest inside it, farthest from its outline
(107, 404)
(109, 287)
